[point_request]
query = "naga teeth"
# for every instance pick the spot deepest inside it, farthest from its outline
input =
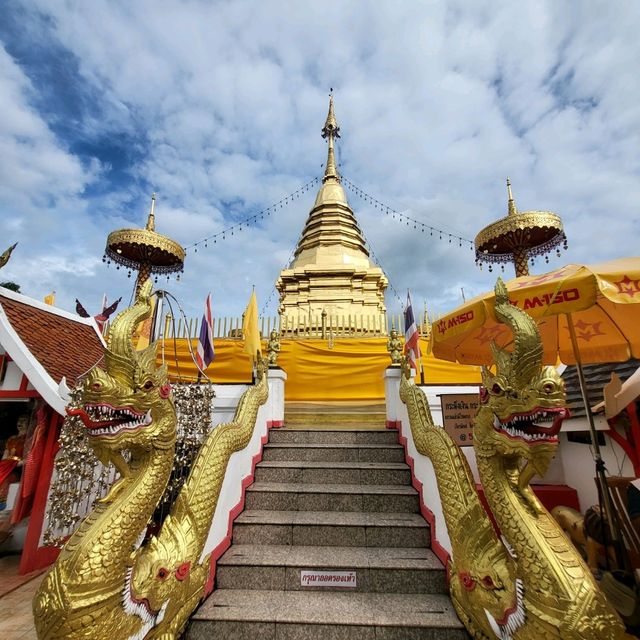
(514, 432)
(105, 412)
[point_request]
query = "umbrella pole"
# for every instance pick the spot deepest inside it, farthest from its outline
(600, 466)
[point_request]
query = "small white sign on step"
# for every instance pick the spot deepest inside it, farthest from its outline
(345, 579)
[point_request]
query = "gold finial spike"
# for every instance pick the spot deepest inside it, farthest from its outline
(331, 130)
(331, 124)
(151, 221)
(512, 204)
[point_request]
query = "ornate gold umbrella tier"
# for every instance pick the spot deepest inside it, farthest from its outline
(135, 247)
(519, 236)
(541, 231)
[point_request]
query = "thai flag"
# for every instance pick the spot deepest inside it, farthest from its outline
(205, 353)
(411, 336)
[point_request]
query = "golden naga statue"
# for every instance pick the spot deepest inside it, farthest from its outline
(531, 583)
(273, 349)
(111, 581)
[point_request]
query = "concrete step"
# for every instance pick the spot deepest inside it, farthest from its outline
(312, 615)
(333, 472)
(334, 452)
(286, 496)
(326, 436)
(331, 528)
(376, 570)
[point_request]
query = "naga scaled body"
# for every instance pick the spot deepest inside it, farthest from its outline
(531, 583)
(107, 584)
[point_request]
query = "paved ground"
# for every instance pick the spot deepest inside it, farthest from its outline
(16, 593)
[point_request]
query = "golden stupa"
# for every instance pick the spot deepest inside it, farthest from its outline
(331, 273)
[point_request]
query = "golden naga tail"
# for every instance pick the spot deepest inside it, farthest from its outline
(4, 258)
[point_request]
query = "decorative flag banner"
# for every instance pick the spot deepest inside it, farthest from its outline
(205, 352)
(250, 331)
(80, 310)
(102, 317)
(106, 312)
(51, 298)
(411, 336)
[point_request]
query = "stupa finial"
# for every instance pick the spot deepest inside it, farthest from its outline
(331, 130)
(512, 204)
(151, 220)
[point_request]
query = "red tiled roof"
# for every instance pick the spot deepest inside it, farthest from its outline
(61, 345)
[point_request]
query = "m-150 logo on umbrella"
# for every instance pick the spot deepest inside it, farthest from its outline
(601, 302)
(588, 330)
(448, 323)
(546, 299)
(628, 286)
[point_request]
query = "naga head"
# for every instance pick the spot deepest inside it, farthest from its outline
(485, 573)
(124, 403)
(526, 401)
(161, 568)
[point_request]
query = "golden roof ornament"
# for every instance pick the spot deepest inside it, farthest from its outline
(144, 250)
(519, 236)
(331, 124)
(331, 130)
(4, 258)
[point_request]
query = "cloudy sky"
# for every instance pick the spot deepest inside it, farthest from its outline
(218, 106)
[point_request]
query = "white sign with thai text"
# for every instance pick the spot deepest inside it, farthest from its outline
(328, 579)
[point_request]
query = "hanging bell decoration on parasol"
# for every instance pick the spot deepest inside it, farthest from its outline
(518, 237)
(145, 250)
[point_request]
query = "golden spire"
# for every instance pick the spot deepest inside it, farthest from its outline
(512, 205)
(331, 130)
(151, 220)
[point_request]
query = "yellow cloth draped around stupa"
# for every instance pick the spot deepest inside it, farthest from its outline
(350, 369)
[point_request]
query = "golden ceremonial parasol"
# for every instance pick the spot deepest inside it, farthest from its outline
(585, 314)
(144, 250)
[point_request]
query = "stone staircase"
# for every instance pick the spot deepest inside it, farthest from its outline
(339, 502)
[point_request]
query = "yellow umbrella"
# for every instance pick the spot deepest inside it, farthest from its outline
(599, 304)
(585, 314)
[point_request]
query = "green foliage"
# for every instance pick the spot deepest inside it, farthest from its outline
(11, 285)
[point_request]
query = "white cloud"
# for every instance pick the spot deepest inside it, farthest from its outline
(33, 168)
(438, 103)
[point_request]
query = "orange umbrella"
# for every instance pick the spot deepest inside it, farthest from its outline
(599, 304)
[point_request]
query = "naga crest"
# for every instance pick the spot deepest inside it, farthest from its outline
(527, 400)
(122, 404)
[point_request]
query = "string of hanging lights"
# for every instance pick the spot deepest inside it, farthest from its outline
(405, 219)
(273, 289)
(377, 261)
(246, 222)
